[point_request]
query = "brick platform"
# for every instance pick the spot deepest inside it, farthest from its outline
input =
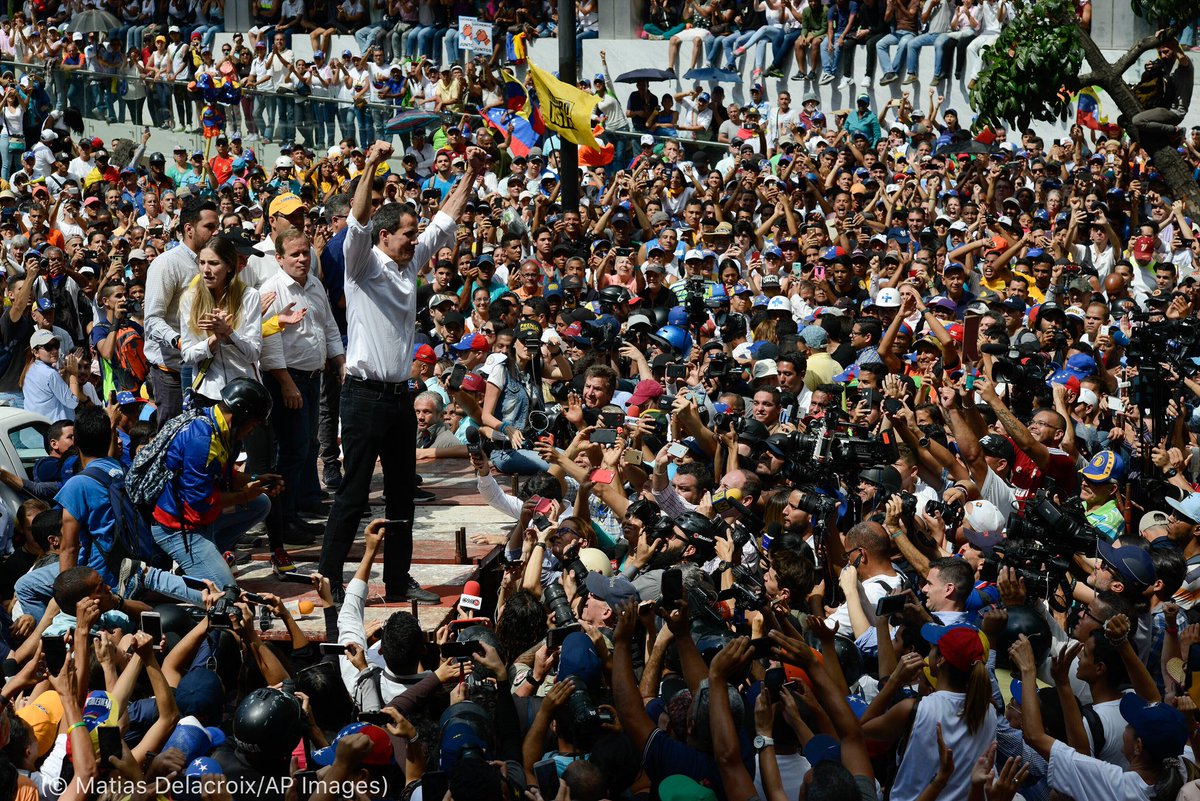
(437, 563)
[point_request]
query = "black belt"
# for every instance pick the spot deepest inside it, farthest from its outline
(306, 373)
(386, 387)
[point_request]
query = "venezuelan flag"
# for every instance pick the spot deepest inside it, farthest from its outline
(1087, 113)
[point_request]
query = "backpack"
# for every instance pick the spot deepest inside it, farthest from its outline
(129, 357)
(131, 532)
(149, 475)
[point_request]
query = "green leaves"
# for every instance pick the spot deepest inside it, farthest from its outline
(1025, 69)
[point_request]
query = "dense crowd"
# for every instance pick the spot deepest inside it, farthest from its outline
(845, 457)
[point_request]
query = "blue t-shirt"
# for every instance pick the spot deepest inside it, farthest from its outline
(87, 502)
(434, 182)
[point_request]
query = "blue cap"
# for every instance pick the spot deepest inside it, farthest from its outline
(677, 316)
(318, 54)
(773, 250)
(761, 300)
(1131, 563)
(1161, 727)
(1014, 689)
(742, 289)
(1187, 509)
(28, 154)
(45, 304)
(598, 77)
(125, 396)
(577, 659)
(822, 748)
(1105, 466)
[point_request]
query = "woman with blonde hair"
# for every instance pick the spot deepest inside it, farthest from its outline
(222, 322)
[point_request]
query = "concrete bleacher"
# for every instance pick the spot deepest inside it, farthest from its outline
(625, 54)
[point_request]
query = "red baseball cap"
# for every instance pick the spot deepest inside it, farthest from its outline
(424, 353)
(961, 646)
(473, 342)
(473, 382)
(1143, 248)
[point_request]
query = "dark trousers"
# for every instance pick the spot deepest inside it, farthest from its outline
(852, 45)
(296, 440)
(375, 426)
(168, 394)
(327, 427)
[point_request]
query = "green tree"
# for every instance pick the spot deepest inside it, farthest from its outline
(1040, 53)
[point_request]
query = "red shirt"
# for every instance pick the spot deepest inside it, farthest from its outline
(1027, 477)
(222, 168)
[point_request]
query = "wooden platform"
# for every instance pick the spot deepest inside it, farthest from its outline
(444, 558)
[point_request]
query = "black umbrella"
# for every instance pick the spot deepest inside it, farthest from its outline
(712, 74)
(970, 147)
(647, 74)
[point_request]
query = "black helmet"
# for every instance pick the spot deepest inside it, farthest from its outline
(612, 294)
(158, 158)
(247, 399)
(886, 477)
(1023, 620)
(268, 723)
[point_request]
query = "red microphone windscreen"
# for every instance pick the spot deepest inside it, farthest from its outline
(633, 411)
(472, 588)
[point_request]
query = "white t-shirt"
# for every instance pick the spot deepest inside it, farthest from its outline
(999, 492)
(1109, 713)
(1079, 776)
(869, 593)
(262, 75)
(921, 761)
(792, 770)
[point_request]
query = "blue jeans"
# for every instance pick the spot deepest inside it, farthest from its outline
(366, 36)
(296, 437)
(264, 115)
(366, 130)
(426, 40)
(200, 553)
(579, 37)
(346, 120)
(713, 46)
(898, 38)
(733, 42)
(285, 119)
(518, 462)
(326, 114)
(830, 61)
(912, 49)
(208, 33)
(5, 155)
(35, 588)
(782, 49)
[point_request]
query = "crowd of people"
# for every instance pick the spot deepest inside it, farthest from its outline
(838, 465)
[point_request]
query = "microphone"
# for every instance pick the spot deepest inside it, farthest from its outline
(472, 596)
(473, 447)
(633, 411)
(773, 531)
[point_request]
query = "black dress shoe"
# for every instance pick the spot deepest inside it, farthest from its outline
(413, 592)
(338, 592)
(304, 525)
(295, 535)
(423, 496)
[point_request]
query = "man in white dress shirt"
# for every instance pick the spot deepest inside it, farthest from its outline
(377, 403)
(292, 364)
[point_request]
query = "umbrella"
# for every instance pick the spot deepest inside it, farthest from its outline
(93, 20)
(410, 120)
(646, 74)
(969, 147)
(712, 74)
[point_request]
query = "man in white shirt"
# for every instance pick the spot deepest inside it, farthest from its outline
(154, 216)
(695, 115)
(382, 257)
(177, 48)
(422, 151)
(286, 211)
(264, 99)
(292, 364)
(43, 154)
(280, 63)
(82, 165)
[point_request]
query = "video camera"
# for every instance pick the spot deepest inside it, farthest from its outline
(826, 451)
(1041, 542)
(1023, 368)
(693, 301)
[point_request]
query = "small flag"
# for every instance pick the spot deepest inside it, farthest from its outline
(565, 108)
(1087, 113)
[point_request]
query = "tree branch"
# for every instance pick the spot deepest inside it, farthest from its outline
(1147, 43)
